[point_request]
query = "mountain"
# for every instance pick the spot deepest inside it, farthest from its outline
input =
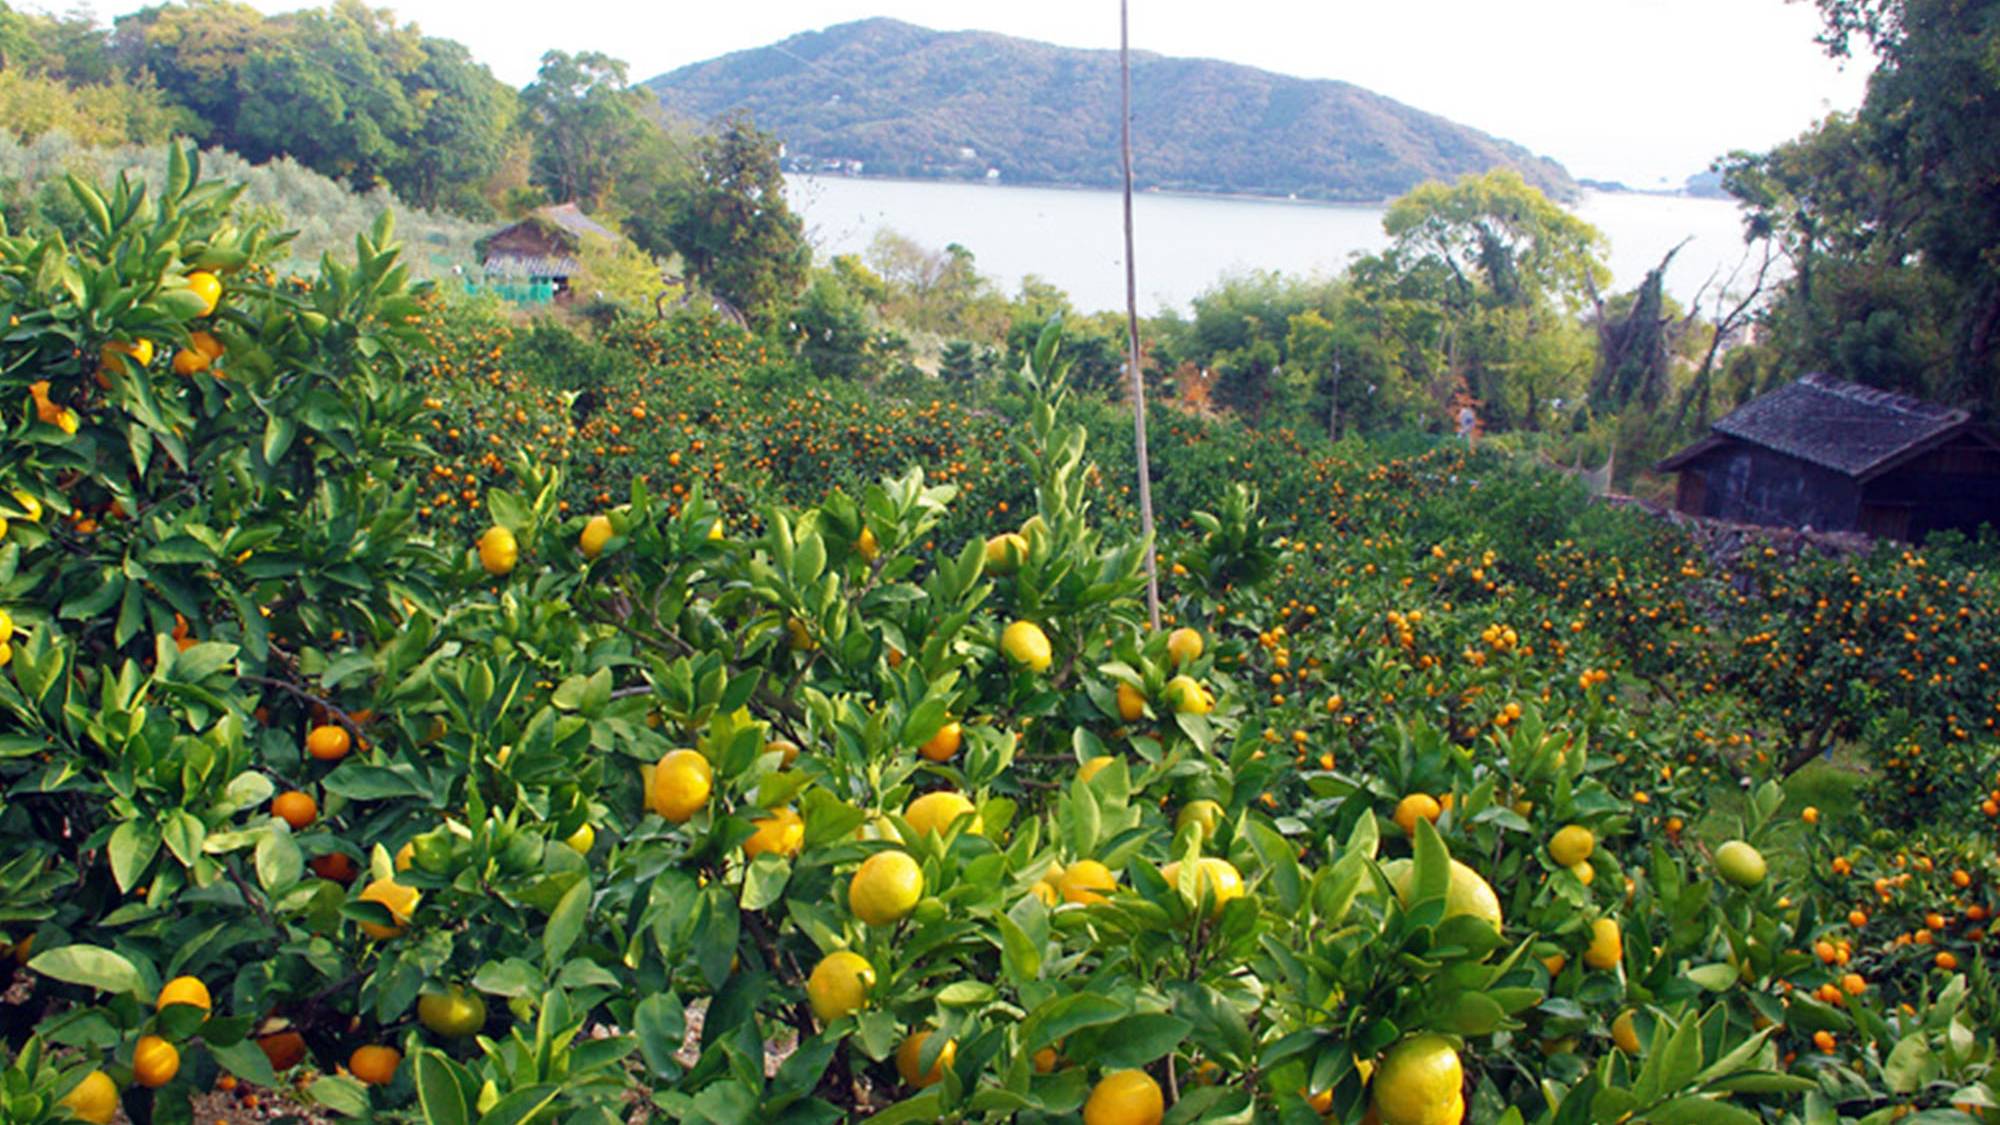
(882, 97)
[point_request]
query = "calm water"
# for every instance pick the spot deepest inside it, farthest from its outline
(1075, 238)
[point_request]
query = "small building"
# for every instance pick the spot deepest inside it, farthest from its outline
(539, 254)
(1837, 456)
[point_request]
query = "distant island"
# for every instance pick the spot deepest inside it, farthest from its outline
(881, 97)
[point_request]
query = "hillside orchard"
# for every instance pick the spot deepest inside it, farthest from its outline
(422, 718)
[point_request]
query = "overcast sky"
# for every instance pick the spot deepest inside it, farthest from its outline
(1632, 90)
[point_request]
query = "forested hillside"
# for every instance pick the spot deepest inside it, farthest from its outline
(908, 101)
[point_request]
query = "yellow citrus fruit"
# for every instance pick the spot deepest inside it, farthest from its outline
(1187, 697)
(910, 1056)
(499, 551)
(1203, 813)
(583, 839)
(1184, 646)
(1095, 766)
(191, 361)
(1414, 807)
(1571, 845)
(1740, 863)
(454, 1013)
(596, 534)
(782, 833)
(1213, 877)
(786, 747)
(374, 1064)
(95, 1099)
(1420, 1083)
(1624, 1034)
(295, 808)
(184, 990)
(715, 532)
(328, 743)
(885, 888)
(1045, 1060)
(1468, 893)
(1125, 1097)
(1027, 646)
(1584, 873)
(935, 812)
(208, 287)
(400, 900)
(839, 985)
(944, 743)
(6, 627)
(681, 784)
(31, 507)
(1131, 703)
(1607, 945)
(1005, 552)
(866, 546)
(154, 1061)
(1086, 881)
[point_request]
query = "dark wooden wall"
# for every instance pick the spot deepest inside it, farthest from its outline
(1955, 486)
(1748, 484)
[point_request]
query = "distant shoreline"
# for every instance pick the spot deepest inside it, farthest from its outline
(1236, 196)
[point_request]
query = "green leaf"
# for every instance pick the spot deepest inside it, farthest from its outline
(89, 965)
(343, 1095)
(1716, 977)
(1061, 1017)
(439, 1091)
(1139, 1039)
(133, 846)
(246, 1060)
(279, 864)
(565, 924)
(1910, 1065)
(521, 1105)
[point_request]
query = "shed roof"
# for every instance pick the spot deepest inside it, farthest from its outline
(571, 218)
(1853, 430)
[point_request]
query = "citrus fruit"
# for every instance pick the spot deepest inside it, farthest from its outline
(1740, 863)
(281, 1044)
(1203, 813)
(454, 1013)
(1027, 646)
(1571, 845)
(6, 626)
(839, 984)
(1413, 807)
(1468, 893)
(154, 1061)
(596, 533)
(295, 808)
(1187, 697)
(1045, 1060)
(1624, 1034)
(885, 888)
(328, 743)
(944, 743)
(208, 287)
(1584, 872)
(782, 833)
(184, 990)
(499, 551)
(1131, 703)
(681, 784)
(1086, 881)
(374, 1064)
(31, 506)
(1420, 1083)
(94, 1099)
(1607, 945)
(866, 546)
(1095, 766)
(583, 839)
(1005, 552)
(337, 866)
(1184, 646)
(786, 747)
(400, 901)
(1125, 1097)
(1214, 878)
(935, 812)
(910, 1056)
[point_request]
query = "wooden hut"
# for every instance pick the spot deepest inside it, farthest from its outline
(540, 251)
(1838, 456)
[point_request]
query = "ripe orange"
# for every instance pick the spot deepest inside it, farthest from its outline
(336, 866)
(1184, 646)
(596, 533)
(295, 808)
(1413, 806)
(154, 1061)
(944, 743)
(1131, 703)
(681, 785)
(498, 551)
(1125, 1097)
(95, 1099)
(400, 901)
(909, 1057)
(206, 286)
(375, 1064)
(184, 990)
(1027, 645)
(328, 743)
(282, 1045)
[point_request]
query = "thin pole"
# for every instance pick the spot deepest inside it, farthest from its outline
(1132, 327)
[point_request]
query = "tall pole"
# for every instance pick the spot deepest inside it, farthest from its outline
(1132, 326)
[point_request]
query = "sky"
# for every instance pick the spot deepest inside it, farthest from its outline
(1640, 91)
